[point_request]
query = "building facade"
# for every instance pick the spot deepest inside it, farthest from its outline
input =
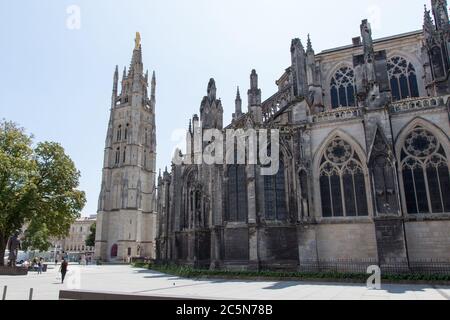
(75, 242)
(126, 220)
(364, 163)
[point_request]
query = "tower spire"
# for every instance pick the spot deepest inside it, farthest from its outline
(254, 98)
(440, 14)
(428, 24)
(131, 132)
(136, 66)
(212, 89)
(153, 88)
(298, 67)
(309, 47)
(115, 86)
(238, 105)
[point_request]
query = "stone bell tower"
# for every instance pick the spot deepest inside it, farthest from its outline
(126, 221)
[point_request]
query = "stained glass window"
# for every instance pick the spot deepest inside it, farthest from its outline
(342, 181)
(425, 172)
(237, 194)
(275, 195)
(342, 88)
(403, 79)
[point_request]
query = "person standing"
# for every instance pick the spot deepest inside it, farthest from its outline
(39, 264)
(63, 269)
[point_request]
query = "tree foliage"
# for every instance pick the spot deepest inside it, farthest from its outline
(38, 189)
(90, 241)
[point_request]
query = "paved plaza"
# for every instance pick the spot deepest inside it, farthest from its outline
(124, 279)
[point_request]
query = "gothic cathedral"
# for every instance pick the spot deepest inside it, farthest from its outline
(364, 164)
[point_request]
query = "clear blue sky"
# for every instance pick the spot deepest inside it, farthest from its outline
(57, 82)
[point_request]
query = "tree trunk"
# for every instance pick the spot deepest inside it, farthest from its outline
(3, 243)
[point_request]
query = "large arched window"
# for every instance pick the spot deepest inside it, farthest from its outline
(342, 181)
(425, 173)
(342, 88)
(193, 209)
(275, 195)
(403, 79)
(237, 193)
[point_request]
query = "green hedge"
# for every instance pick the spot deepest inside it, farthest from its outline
(189, 272)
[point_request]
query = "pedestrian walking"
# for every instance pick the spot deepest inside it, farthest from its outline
(39, 264)
(63, 269)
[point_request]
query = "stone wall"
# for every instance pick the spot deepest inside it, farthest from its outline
(346, 241)
(428, 240)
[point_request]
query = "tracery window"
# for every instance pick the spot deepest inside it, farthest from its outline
(342, 181)
(237, 193)
(275, 195)
(342, 88)
(403, 79)
(192, 213)
(425, 172)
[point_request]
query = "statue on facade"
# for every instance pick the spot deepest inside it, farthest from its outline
(137, 41)
(13, 247)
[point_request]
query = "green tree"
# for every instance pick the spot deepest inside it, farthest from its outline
(38, 189)
(90, 241)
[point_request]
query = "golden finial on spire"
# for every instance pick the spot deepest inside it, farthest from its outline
(137, 40)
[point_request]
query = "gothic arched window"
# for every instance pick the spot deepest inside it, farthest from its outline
(126, 132)
(342, 181)
(275, 195)
(437, 63)
(237, 193)
(425, 172)
(403, 79)
(119, 133)
(124, 155)
(192, 202)
(117, 160)
(342, 88)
